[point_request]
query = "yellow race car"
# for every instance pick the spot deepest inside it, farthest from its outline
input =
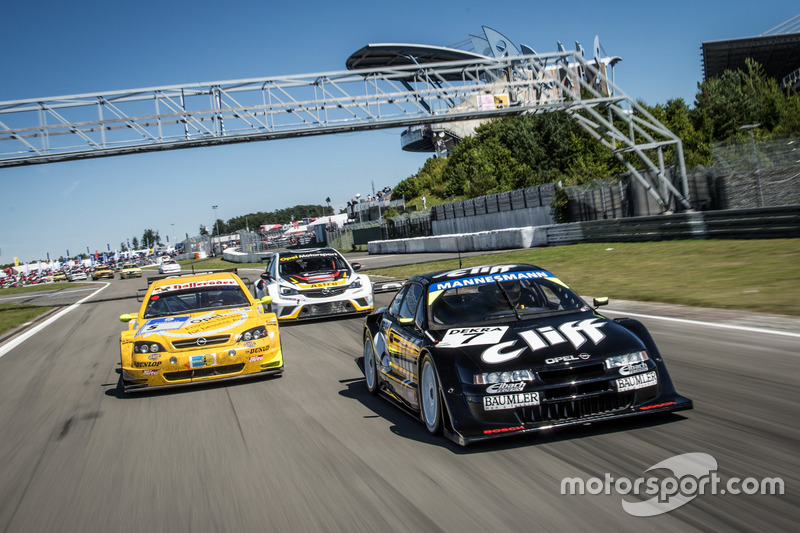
(130, 270)
(102, 271)
(197, 328)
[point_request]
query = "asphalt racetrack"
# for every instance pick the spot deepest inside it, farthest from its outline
(313, 451)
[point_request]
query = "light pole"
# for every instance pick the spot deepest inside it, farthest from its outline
(216, 228)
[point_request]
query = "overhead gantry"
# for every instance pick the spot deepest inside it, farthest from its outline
(455, 91)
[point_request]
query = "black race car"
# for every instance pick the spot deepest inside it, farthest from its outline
(507, 349)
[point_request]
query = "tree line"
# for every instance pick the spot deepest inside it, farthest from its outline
(514, 152)
(527, 150)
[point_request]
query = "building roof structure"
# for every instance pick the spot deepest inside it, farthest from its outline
(776, 50)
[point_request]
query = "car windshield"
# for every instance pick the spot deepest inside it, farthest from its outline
(516, 299)
(303, 264)
(195, 299)
(130, 265)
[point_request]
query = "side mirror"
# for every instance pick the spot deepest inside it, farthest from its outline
(266, 301)
(603, 300)
(127, 317)
(356, 266)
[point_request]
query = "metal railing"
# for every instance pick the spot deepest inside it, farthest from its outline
(62, 128)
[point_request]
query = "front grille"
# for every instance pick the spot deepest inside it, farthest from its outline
(563, 410)
(330, 308)
(203, 372)
(568, 375)
(212, 340)
(579, 389)
(322, 293)
(584, 407)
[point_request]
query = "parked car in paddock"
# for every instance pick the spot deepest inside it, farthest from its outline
(314, 283)
(130, 270)
(197, 328)
(498, 350)
(169, 266)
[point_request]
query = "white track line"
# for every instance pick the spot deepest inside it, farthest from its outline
(16, 341)
(708, 324)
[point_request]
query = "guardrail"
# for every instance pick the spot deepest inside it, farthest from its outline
(751, 223)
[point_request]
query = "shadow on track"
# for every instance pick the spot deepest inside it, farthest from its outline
(406, 425)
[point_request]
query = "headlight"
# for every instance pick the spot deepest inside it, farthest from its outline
(288, 291)
(147, 347)
(627, 359)
(504, 377)
(356, 284)
(252, 334)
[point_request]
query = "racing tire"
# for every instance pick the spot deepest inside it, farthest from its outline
(370, 366)
(430, 399)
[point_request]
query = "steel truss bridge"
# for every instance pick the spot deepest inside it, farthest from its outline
(66, 128)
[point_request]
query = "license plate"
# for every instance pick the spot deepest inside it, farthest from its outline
(510, 401)
(639, 381)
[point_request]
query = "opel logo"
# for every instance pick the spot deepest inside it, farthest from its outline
(201, 341)
(326, 290)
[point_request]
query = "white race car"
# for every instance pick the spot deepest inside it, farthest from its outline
(169, 266)
(314, 283)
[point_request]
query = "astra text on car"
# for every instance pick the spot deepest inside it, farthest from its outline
(508, 349)
(314, 283)
(198, 328)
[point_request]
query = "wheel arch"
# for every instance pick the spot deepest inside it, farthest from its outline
(447, 421)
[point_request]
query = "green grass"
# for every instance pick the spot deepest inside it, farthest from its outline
(13, 315)
(40, 287)
(749, 275)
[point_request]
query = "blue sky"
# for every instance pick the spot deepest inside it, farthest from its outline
(58, 48)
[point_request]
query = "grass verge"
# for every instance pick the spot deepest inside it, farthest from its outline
(749, 275)
(13, 315)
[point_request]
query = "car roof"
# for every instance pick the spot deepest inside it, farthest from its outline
(471, 272)
(309, 251)
(194, 278)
